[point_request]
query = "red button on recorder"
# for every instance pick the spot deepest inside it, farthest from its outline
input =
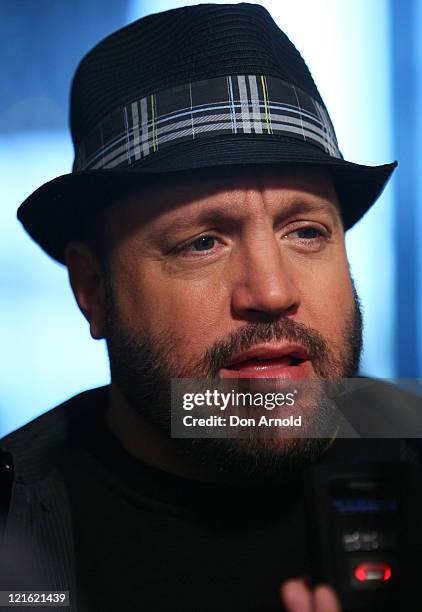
(368, 572)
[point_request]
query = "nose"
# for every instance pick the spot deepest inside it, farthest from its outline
(264, 286)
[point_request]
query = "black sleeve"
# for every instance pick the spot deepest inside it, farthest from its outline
(6, 483)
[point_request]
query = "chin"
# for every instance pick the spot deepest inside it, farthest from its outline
(256, 462)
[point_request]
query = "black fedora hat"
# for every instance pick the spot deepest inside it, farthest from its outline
(192, 88)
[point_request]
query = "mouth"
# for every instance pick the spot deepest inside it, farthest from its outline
(289, 362)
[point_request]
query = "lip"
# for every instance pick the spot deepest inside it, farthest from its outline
(269, 361)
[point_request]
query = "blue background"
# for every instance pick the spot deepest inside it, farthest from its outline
(366, 58)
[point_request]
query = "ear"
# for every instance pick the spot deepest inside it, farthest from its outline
(87, 281)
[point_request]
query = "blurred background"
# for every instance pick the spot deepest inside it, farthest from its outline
(366, 58)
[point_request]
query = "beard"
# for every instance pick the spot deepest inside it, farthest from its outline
(142, 368)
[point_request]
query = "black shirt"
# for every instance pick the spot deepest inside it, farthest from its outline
(147, 540)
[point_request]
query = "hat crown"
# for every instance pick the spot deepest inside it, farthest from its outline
(178, 46)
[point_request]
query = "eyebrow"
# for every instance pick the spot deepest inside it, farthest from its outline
(223, 215)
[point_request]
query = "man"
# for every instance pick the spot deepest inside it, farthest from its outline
(203, 231)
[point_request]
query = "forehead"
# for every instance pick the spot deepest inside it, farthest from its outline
(173, 197)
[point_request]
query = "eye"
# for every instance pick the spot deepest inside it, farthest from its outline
(311, 237)
(203, 244)
(308, 233)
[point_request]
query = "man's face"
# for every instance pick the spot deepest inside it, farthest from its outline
(204, 269)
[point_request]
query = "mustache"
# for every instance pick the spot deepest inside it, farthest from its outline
(284, 330)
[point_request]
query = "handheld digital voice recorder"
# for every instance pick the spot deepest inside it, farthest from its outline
(365, 532)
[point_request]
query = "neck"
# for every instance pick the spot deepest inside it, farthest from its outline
(146, 443)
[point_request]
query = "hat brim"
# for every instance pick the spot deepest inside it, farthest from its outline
(56, 212)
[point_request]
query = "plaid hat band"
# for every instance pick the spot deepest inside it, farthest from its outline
(239, 104)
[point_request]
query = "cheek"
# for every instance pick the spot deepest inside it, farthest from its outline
(188, 313)
(328, 302)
